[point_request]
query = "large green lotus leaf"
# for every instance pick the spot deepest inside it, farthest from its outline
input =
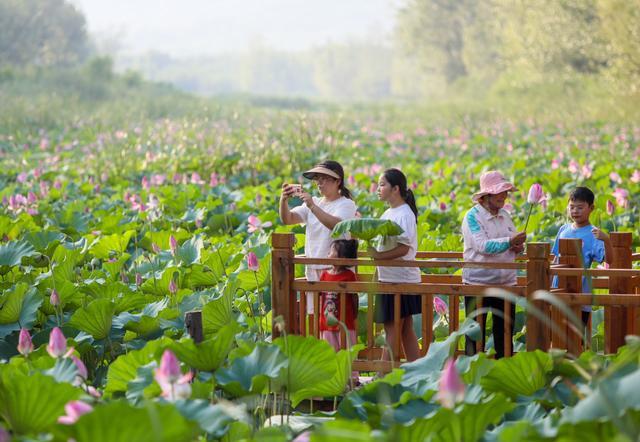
(95, 319)
(310, 360)
(119, 421)
(366, 228)
(125, 368)
(143, 386)
(18, 308)
(520, 375)
(114, 267)
(343, 430)
(32, 403)
(610, 399)
(64, 261)
(160, 285)
(214, 419)
(198, 276)
(44, 241)
(249, 374)
(423, 374)
(217, 313)
(116, 243)
(188, 252)
(469, 422)
(11, 254)
(207, 355)
(334, 386)
(161, 238)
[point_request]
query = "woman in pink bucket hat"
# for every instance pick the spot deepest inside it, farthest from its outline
(490, 236)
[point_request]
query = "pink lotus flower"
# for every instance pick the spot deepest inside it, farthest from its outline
(25, 345)
(173, 244)
(252, 262)
(622, 197)
(613, 176)
(145, 183)
(452, 196)
(440, 306)
(451, 388)
(351, 180)
(138, 279)
(610, 208)
(213, 180)
(57, 343)
(54, 299)
(255, 224)
(32, 198)
(635, 177)
(22, 177)
(535, 194)
(586, 171)
(555, 164)
(155, 247)
(373, 187)
(573, 166)
(443, 206)
(74, 410)
(195, 178)
(173, 383)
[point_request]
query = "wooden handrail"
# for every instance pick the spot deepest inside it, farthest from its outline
(594, 272)
(399, 288)
(584, 299)
(401, 263)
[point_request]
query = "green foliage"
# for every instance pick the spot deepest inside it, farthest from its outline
(366, 228)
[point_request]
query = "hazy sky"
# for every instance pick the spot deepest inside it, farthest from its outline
(194, 27)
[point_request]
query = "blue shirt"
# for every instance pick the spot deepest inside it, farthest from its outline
(592, 250)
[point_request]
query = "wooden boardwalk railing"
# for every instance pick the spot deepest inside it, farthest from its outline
(551, 328)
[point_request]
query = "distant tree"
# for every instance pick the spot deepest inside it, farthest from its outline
(41, 33)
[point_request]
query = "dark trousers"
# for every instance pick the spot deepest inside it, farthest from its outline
(496, 306)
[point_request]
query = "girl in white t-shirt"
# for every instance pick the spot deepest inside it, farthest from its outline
(392, 188)
(319, 214)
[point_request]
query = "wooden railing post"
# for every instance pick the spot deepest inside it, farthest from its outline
(283, 302)
(193, 323)
(571, 255)
(538, 332)
(618, 321)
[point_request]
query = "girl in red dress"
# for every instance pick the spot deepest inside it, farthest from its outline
(330, 301)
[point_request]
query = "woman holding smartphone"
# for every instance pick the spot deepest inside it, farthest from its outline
(320, 214)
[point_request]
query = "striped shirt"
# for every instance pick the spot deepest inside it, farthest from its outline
(486, 239)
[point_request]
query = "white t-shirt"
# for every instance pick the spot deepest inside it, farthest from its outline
(405, 218)
(318, 239)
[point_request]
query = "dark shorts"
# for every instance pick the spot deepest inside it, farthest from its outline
(409, 305)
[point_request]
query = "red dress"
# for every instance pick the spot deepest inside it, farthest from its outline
(330, 302)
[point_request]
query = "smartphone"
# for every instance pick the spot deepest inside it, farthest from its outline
(296, 189)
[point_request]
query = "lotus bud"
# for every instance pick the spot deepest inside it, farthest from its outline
(610, 208)
(54, 299)
(169, 369)
(535, 194)
(25, 346)
(57, 343)
(155, 248)
(440, 306)
(82, 369)
(173, 243)
(451, 388)
(252, 262)
(138, 279)
(173, 287)
(443, 207)
(4, 435)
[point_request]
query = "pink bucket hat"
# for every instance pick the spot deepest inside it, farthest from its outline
(492, 183)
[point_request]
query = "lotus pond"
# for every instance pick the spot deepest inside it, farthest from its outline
(111, 234)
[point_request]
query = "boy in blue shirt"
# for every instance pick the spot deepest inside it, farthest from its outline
(596, 245)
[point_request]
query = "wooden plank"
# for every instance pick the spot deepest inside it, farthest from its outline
(581, 299)
(378, 366)
(625, 273)
(427, 322)
(538, 333)
(399, 288)
(408, 263)
(282, 274)
(618, 320)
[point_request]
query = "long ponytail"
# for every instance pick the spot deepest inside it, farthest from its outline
(395, 177)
